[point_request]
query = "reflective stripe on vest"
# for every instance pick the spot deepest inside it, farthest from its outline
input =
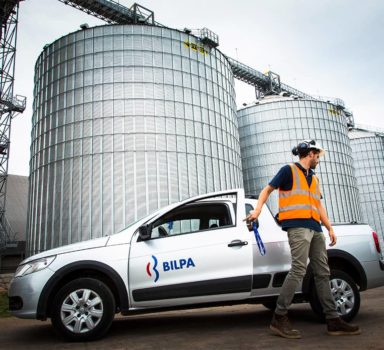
(297, 207)
(303, 192)
(302, 201)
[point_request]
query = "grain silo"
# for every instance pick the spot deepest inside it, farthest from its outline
(271, 127)
(368, 156)
(127, 118)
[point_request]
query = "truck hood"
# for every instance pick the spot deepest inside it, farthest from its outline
(93, 243)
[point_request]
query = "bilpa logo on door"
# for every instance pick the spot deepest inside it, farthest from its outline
(153, 270)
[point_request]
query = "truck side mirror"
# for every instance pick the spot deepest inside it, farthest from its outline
(145, 232)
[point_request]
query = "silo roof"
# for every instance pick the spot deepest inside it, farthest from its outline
(359, 133)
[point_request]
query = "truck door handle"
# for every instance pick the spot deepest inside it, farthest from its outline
(237, 243)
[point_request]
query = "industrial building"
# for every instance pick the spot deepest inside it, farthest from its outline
(16, 208)
(271, 127)
(368, 160)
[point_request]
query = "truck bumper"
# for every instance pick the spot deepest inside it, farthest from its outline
(24, 293)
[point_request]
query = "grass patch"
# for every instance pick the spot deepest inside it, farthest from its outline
(4, 305)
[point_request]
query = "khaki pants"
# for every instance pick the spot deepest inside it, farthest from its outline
(306, 243)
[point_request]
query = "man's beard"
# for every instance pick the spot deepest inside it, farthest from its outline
(313, 166)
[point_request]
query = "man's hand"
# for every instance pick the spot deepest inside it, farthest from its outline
(264, 194)
(332, 237)
(253, 215)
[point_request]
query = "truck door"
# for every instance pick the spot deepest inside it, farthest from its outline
(269, 271)
(198, 252)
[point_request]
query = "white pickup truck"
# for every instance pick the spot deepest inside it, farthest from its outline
(195, 253)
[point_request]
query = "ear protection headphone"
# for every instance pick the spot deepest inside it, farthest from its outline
(302, 147)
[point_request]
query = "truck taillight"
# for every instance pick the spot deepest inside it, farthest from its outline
(376, 239)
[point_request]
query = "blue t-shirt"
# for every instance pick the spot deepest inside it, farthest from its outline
(283, 180)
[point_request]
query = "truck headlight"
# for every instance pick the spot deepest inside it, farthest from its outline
(34, 266)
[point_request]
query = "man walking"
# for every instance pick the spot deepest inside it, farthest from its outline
(301, 214)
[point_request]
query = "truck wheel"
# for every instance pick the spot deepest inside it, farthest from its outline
(345, 293)
(83, 310)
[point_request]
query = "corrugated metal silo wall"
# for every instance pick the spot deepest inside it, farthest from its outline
(127, 119)
(270, 129)
(368, 155)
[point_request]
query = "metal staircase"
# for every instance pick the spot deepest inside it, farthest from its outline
(10, 105)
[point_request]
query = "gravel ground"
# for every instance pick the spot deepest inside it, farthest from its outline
(235, 327)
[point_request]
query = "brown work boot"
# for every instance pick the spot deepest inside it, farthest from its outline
(336, 326)
(281, 326)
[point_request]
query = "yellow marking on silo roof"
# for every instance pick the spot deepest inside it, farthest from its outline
(195, 47)
(334, 111)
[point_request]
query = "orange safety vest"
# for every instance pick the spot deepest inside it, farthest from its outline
(302, 201)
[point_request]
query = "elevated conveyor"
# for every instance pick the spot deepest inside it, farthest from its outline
(267, 84)
(112, 12)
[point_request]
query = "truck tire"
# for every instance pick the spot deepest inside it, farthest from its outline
(83, 310)
(345, 293)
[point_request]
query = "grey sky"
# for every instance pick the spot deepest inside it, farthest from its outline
(329, 48)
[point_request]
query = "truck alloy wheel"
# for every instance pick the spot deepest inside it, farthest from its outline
(83, 309)
(343, 294)
(344, 291)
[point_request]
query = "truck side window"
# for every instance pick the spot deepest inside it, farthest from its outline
(193, 217)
